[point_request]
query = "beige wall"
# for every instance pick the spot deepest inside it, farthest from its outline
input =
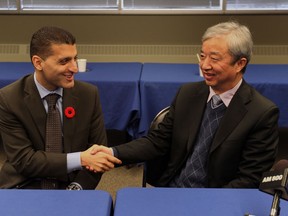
(141, 29)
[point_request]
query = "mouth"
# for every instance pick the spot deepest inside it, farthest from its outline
(69, 76)
(208, 76)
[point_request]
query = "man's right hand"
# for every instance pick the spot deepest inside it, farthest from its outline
(99, 161)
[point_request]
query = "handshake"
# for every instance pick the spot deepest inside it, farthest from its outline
(99, 158)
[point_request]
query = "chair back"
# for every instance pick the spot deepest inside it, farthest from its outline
(282, 152)
(159, 118)
(2, 154)
(152, 169)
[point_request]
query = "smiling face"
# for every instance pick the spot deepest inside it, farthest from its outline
(58, 69)
(219, 68)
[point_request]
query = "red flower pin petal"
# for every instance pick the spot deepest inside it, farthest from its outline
(69, 112)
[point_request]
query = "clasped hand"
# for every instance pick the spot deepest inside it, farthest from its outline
(99, 159)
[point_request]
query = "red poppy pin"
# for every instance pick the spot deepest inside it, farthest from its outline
(70, 112)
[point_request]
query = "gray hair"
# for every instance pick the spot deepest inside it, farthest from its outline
(239, 38)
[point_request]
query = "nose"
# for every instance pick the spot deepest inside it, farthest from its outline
(73, 66)
(205, 64)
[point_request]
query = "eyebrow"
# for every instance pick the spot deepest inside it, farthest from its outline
(65, 59)
(215, 53)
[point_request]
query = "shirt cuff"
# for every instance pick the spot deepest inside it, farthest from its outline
(114, 152)
(73, 161)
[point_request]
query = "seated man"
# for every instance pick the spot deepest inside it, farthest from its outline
(51, 156)
(219, 132)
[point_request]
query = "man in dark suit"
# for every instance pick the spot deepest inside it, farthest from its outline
(23, 117)
(245, 138)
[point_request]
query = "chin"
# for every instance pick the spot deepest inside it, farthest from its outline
(68, 85)
(209, 83)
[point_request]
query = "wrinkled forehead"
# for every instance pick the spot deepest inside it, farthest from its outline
(215, 46)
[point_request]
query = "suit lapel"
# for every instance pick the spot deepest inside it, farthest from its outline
(69, 124)
(35, 106)
(234, 114)
(196, 112)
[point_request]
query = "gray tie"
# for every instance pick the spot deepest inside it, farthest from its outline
(53, 134)
(216, 101)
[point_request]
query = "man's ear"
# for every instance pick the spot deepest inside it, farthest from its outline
(37, 62)
(241, 63)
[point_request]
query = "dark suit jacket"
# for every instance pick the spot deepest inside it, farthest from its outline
(244, 145)
(22, 125)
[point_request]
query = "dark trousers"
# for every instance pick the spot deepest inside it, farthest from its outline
(36, 184)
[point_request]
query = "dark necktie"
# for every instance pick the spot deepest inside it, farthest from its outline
(53, 125)
(194, 173)
(53, 134)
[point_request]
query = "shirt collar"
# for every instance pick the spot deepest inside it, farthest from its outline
(227, 96)
(44, 92)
